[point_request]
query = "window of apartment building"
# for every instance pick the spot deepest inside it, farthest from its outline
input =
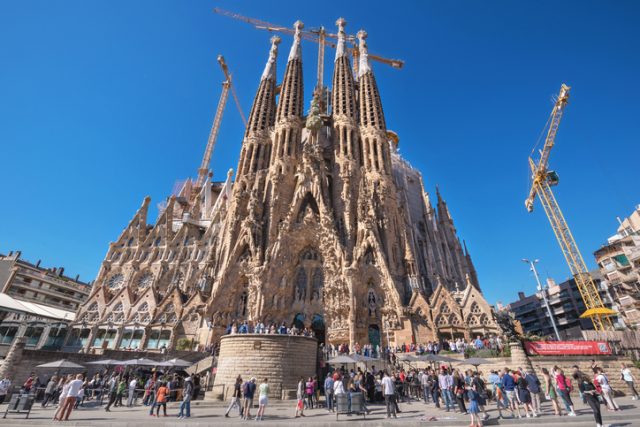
(33, 334)
(8, 333)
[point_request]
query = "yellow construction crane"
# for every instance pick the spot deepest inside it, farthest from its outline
(542, 181)
(227, 85)
(319, 36)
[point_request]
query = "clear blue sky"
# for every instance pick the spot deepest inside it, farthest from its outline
(105, 102)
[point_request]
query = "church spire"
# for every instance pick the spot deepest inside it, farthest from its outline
(373, 131)
(344, 97)
(263, 109)
(290, 103)
(261, 119)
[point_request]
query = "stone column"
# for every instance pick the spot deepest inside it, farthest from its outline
(519, 357)
(13, 355)
(90, 338)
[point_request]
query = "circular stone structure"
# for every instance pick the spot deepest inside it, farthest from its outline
(283, 359)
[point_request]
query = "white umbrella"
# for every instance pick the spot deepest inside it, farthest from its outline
(176, 363)
(106, 362)
(62, 363)
(140, 362)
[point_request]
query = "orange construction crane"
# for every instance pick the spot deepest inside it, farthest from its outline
(319, 36)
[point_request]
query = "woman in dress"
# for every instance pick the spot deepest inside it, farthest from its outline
(309, 390)
(263, 392)
(524, 395)
(550, 391)
(474, 409)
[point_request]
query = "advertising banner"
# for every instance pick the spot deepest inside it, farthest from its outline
(555, 348)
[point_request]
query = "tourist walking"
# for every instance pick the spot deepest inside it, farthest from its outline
(263, 399)
(550, 391)
(389, 393)
(474, 407)
(161, 400)
(533, 384)
(605, 387)
(524, 396)
(187, 394)
(300, 398)
(113, 391)
(248, 390)
(563, 387)
(590, 394)
(627, 377)
(49, 391)
(509, 388)
(122, 386)
(459, 390)
(235, 398)
(132, 392)
(328, 391)
(309, 391)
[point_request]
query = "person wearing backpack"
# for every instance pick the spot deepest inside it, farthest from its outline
(534, 386)
(604, 389)
(248, 390)
(590, 394)
(564, 388)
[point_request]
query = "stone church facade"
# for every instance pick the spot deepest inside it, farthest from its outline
(325, 225)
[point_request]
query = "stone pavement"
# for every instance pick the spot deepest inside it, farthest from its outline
(281, 413)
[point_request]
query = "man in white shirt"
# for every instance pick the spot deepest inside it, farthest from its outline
(389, 393)
(132, 391)
(72, 397)
(446, 384)
(5, 385)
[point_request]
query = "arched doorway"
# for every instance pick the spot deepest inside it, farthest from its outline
(317, 325)
(374, 336)
(298, 321)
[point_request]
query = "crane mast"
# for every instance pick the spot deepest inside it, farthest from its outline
(542, 181)
(203, 171)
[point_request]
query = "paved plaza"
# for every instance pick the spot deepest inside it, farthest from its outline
(281, 413)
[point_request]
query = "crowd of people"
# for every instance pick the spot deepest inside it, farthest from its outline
(248, 327)
(68, 392)
(516, 393)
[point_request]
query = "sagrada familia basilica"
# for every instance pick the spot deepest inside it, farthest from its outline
(325, 226)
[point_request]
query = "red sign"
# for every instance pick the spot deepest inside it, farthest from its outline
(554, 348)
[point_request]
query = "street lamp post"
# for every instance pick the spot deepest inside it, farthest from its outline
(543, 291)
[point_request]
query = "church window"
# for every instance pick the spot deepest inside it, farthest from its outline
(145, 280)
(242, 311)
(475, 309)
(115, 281)
(157, 242)
(143, 308)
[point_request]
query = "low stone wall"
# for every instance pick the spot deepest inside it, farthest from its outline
(283, 359)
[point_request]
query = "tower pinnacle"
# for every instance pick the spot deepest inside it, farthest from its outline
(270, 68)
(340, 49)
(295, 47)
(363, 66)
